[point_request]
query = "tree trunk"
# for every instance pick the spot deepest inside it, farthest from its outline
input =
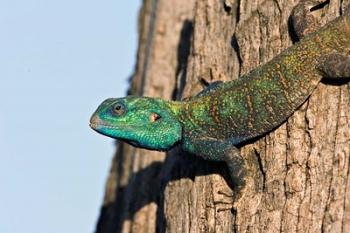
(303, 174)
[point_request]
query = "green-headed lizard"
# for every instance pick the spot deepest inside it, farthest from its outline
(228, 114)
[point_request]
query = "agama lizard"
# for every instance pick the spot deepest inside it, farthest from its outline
(228, 114)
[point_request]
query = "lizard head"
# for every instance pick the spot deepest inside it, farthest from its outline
(141, 121)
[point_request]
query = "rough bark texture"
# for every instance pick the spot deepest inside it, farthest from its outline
(303, 180)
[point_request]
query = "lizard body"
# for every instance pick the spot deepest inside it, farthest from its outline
(224, 115)
(264, 98)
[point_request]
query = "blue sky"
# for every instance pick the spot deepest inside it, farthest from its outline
(58, 61)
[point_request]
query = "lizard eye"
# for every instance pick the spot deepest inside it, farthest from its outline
(154, 117)
(119, 109)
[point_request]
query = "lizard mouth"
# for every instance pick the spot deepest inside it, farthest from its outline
(106, 129)
(103, 129)
(96, 126)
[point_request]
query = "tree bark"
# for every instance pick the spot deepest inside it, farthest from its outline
(302, 182)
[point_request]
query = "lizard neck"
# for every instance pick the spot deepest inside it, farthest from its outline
(176, 107)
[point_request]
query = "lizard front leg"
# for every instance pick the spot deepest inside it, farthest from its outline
(219, 150)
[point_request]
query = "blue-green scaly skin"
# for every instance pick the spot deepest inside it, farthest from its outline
(221, 117)
(135, 126)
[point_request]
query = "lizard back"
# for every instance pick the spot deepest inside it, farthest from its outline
(264, 98)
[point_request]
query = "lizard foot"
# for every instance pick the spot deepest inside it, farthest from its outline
(306, 17)
(223, 201)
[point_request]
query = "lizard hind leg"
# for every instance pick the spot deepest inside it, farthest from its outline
(306, 17)
(334, 65)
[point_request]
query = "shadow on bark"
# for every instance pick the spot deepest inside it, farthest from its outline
(158, 174)
(183, 52)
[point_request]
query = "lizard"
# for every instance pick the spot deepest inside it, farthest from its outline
(225, 115)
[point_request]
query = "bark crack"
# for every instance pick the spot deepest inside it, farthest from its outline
(236, 48)
(344, 217)
(329, 196)
(149, 44)
(238, 11)
(261, 169)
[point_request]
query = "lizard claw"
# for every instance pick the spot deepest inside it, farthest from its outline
(224, 201)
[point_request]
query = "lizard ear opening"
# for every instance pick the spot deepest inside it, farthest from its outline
(154, 117)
